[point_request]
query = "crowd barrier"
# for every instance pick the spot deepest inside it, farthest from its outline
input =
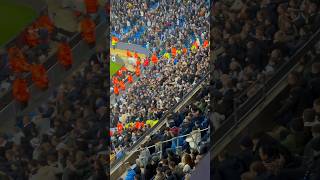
(159, 148)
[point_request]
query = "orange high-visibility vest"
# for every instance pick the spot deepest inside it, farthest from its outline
(119, 72)
(45, 22)
(124, 69)
(136, 55)
(31, 37)
(18, 63)
(64, 54)
(116, 90)
(88, 30)
(184, 50)
(120, 128)
(138, 71)
(91, 6)
(173, 51)
(115, 80)
(39, 76)
(141, 124)
(137, 125)
(14, 51)
(129, 53)
(205, 44)
(138, 62)
(154, 59)
(130, 79)
(20, 90)
(122, 85)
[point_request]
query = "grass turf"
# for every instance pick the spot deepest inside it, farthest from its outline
(114, 67)
(14, 18)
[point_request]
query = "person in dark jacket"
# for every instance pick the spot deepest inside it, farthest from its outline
(246, 154)
(229, 168)
(297, 101)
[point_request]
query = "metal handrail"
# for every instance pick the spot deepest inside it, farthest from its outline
(162, 119)
(174, 138)
(244, 109)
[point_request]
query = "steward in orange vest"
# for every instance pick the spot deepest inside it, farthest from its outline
(39, 76)
(138, 71)
(119, 127)
(138, 62)
(116, 90)
(185, 51)
(88, 30)
(115, 80)
(44, 21)
(64, 54)
(91, 6)
(136, 56)
(17, 60)
(173, 52)
(20, 91)
(154, 59)
(18, 64)
(205, 44)
(130, 79)
(122, 85)
(32, 36)
(129, 53)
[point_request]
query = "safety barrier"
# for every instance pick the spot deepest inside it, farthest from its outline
(172, 139)
(159, 146)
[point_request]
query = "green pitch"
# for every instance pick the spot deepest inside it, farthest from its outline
(114, 67)
(14, 18)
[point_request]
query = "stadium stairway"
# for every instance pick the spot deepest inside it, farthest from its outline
(56, 74)
(255, 112)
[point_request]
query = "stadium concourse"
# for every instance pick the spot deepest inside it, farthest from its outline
(177, 35)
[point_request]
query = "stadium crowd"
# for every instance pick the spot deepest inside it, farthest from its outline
(162, 84)
(251, 40)
(290, 151)
(66, 137)
(175, 152)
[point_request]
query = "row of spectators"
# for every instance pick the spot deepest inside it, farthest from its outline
(175, 24)
(290, 151)
(170, 154)
(66, 137)
(252, 39)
